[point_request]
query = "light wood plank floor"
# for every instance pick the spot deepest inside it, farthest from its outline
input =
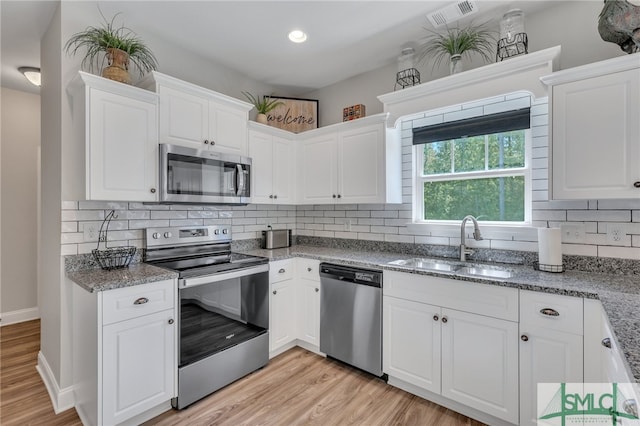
(296, 388)
(23, 397)
(301, 388)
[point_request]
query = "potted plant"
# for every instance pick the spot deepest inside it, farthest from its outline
(117, 45)
(263, 106)
(455, 43)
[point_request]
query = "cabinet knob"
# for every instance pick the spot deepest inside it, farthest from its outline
(309, 269)
(339, 196)
(170, 321)
(212, 142)
(275, 291)
(444, 320)
(524, 338)
(275, 196)
(281, 271)
(141, 301)
(606, 342)
(549, 312)
(436, 318)
(334, 195)
(206, 141)
(270, 196)
(153, 190)
(636, 184)
(317, 289)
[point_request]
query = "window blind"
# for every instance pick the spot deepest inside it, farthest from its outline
(468, 127)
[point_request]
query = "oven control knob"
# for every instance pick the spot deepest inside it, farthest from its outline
(167, 234)
(225, 231)
(217, 231)
(156, 235)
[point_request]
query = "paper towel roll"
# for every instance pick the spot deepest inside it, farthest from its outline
(549, 247)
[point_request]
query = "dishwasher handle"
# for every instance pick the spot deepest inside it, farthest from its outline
(350, 274)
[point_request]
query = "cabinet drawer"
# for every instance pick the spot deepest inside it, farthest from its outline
(131, 302)
(309, 269)
(561, 313)
(281, 270)
(483, 299)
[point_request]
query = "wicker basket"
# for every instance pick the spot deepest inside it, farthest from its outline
(114, 257)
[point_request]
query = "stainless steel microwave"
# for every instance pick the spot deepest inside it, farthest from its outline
(197, 176)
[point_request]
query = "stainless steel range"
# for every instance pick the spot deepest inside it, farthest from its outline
(224, 307)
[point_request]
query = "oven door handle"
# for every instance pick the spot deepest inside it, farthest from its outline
(209, 279)
(240, 179)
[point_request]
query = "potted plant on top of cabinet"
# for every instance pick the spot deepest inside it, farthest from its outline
(263, 106)
(455, 43)
(117, 45)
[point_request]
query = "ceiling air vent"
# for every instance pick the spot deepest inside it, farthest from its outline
(452, 13)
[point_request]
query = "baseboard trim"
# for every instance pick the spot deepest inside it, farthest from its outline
(20, 315)
(62, 399)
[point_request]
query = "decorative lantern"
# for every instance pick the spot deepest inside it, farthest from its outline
(513, 39)
(407, 74)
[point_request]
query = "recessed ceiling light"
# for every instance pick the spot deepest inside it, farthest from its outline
(32, 74)
(297, 36)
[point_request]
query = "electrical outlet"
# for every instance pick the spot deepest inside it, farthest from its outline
(90, 232)
(572, 233)
(616, 233)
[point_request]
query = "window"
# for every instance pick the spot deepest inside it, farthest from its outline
(486, 175)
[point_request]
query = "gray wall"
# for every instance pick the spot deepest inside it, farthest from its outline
(572, 24)
(20, 145)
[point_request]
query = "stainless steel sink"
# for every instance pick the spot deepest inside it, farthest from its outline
(493, 273)
(426, 264)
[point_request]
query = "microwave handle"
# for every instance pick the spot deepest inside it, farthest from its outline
(240, 179)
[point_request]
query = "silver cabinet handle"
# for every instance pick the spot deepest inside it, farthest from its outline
(317, 289)
(436, 317)
(309, 269)
(281, 271)
(524, 338)
(444, 320)
(339, 196)
(334, 195)
(153, 190)
(549, 312)
(606, 342)
(271, 196)
(275, 292)
(212, 142)
(170, 321)
(275, 196)
(206, 142)
(141, 301)
(636, 184)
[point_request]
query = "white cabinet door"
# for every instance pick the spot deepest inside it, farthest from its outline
(282, 325)
(261, 153)
(318, 169)
(480, 363)
(411, 342)
(283, 171)
(546, 356)
(361, 167)
(227, 130)
(308, 311)
(122, 150)
(138, 365)
(184, 118)
(596, 137)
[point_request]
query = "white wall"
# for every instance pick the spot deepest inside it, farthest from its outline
(571, 24)
(20, 144)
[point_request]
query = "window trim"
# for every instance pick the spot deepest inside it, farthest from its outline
(419, 179)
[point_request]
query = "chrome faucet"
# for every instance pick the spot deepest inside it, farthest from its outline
(464, 251)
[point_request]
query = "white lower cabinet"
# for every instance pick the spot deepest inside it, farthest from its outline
(465, 356)
(282, 304)
(551, 346)
(125, 360)
(308, 301)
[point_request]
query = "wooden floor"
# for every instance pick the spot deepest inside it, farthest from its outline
(296, 388)
(23, 397)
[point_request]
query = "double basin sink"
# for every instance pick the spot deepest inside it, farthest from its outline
(478, 271)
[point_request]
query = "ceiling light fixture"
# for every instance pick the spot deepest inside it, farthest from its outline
(32, 74)
(297, 36)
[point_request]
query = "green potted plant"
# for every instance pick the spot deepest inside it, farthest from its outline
(455, 43)
(117, 45)
(263, 105)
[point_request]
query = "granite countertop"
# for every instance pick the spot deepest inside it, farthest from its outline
(619, 294)
(96, 279)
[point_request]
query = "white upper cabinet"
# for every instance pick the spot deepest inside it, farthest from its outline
(595, 137)
(116, 127)
(199, 118)
(273, 165)
(353, 162)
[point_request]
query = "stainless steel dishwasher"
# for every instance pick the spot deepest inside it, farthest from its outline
(351, 316)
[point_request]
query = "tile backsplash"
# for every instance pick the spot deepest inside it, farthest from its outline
(380, 222)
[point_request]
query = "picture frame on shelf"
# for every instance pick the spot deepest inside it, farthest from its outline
(294, 114)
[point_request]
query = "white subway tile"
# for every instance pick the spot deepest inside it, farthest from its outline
(539, 131)
(619, 204)
(599, 215)
(358, 213)
(70, 249)
(540, 120)
(226, 214)
(131, 214)
(619, 252)
(540, 109)
(428, 121)
(187, 222)
(540, 142)
(69, 205)
(245, 236)
(168, 215)
(385, 214)
(324, 220)
(71, 215)
(102, 205)
(203, 214)
(141, 206)
(399, 238)
(346, 207)
(540, 184)
(593, 204)
(365, 221)
(508, 105)
(371, 237)
(215, 222)
(467, 113)
(72, 238)
(69, 226)
(483, 102)
(346, 235)
(361, 228)
(514, 245)
(384, 229)
(326, 234)
(540, 153)
(557, 215)
(518, 95)
(337, 213)
(579, 249)
(243, 221)
(186, 207)
(396, 222)
(432, 240)
(560, 205)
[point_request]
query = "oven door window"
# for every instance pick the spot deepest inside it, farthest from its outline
(217, 316)
(203, 176)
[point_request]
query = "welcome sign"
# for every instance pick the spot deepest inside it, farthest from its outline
(294, 115)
